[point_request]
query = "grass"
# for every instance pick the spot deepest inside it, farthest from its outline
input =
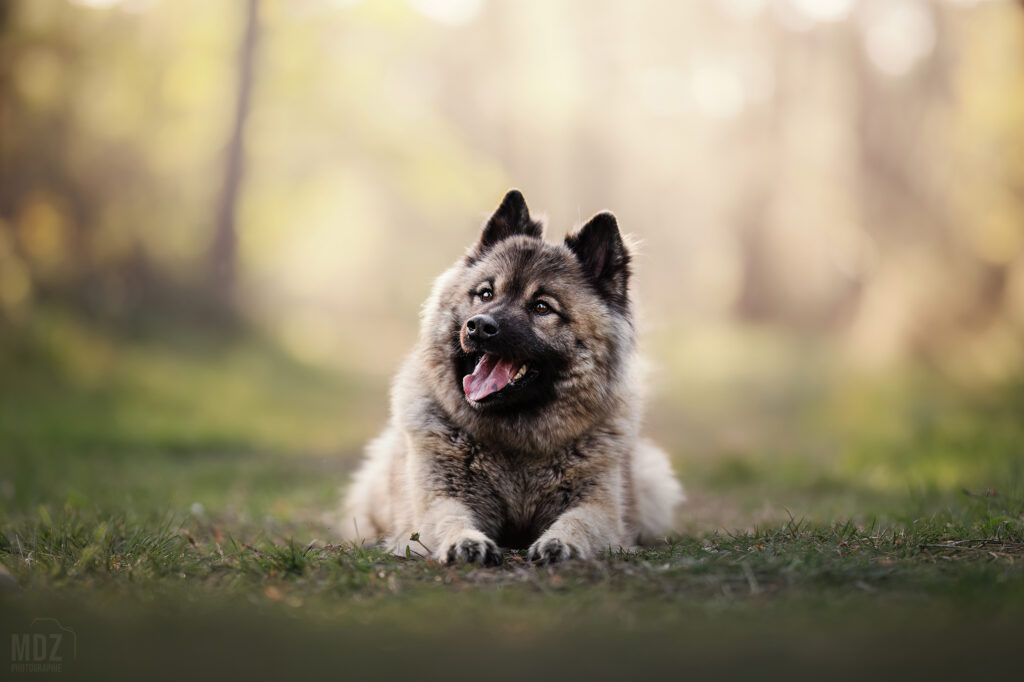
(167, 497)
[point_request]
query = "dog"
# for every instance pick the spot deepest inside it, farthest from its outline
(515, 421)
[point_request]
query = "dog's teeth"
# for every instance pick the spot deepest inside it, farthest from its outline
(520, 373)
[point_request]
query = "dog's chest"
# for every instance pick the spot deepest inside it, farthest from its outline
(523, 496)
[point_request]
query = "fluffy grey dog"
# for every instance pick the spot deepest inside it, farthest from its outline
(515, 420)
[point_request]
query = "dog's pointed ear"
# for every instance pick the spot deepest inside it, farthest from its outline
(511, 218)
(599, 247)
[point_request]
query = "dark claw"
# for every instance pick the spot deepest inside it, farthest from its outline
(492, 558)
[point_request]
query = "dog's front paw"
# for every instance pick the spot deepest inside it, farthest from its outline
(471, 547)
(549, 550)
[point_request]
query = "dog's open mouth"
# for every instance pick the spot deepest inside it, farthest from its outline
(493, 376)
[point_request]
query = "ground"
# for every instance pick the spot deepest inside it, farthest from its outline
(167, 495)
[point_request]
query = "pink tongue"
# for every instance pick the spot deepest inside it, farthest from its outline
(490, 376)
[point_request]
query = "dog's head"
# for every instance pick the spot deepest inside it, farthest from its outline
(531, 328)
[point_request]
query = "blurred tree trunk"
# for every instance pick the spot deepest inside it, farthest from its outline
(223, 254)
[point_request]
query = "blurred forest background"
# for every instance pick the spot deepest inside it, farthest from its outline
(827, 191)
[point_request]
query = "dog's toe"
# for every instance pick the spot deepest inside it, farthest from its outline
(551, 550)
(471, 550)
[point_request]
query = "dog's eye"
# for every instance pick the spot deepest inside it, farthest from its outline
(486, 295)
(541, 307)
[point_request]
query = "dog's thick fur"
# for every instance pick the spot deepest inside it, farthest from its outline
(554, 462)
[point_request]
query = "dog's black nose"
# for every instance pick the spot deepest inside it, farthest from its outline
(482, 327)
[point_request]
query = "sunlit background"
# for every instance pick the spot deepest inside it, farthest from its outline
(826, 191)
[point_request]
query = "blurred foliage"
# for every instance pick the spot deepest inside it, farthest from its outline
(844, 173)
